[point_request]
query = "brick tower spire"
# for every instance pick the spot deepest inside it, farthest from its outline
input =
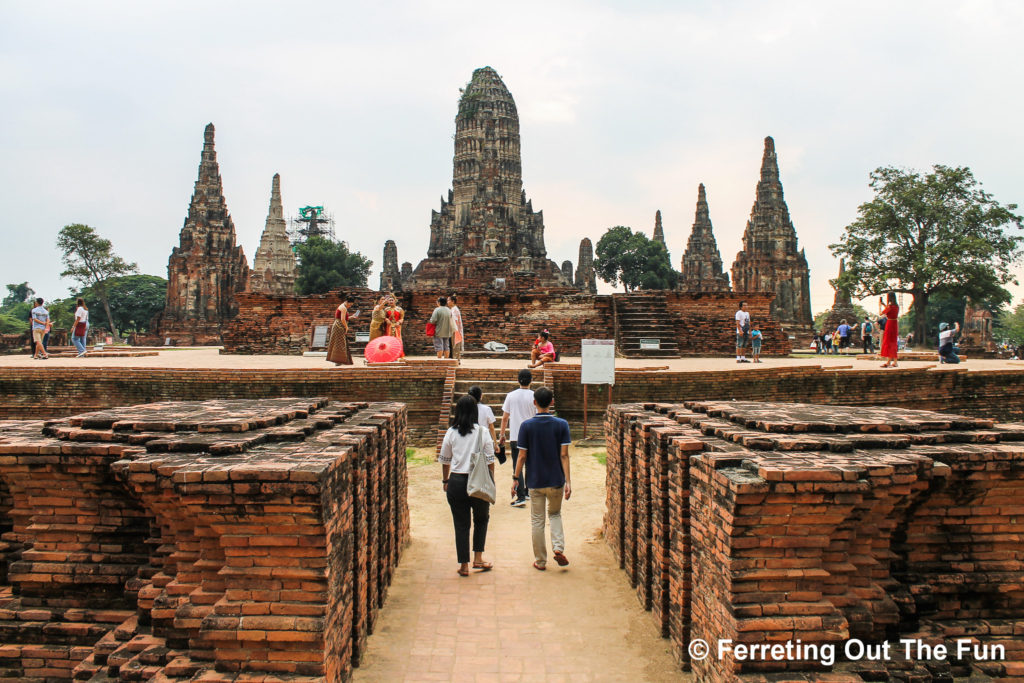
(659, 232)
(208, 268)
(273, 266)
(586, 278)
(487, 228)
(702, 262)
(770, 261)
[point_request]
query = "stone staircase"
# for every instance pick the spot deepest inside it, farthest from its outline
(643, 316)
(494, 392)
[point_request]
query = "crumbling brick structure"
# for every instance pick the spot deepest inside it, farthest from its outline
(207, 268)
(211, 539)
(763, 523)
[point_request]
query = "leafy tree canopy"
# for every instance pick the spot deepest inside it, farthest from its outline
(925, 234)
(325, 265)
(822, 318)
(634, 259)
(90, 261)
(1009, 326)
(134, 301)
(17, 294)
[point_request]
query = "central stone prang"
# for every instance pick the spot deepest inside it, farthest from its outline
(760, 523)
(186, 537)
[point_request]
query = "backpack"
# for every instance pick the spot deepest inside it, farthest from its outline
(867, 328)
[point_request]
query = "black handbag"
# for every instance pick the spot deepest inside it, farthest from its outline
(500, 454)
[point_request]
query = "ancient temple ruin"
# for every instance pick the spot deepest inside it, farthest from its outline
(586, 278)
(770, 260)
(208, 268)
(659, 231)
(390, 276)
(274, 266)
(701, 266)
(487, 230)
(842, 307)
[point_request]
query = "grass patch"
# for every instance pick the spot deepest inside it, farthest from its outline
(602, 457)
(419, 456)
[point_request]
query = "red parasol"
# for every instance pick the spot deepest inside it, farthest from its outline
(383, 350)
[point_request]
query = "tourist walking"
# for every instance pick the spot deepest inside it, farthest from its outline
(816, 341)
(485, 418)
(462, 440)
(458, 333)
(441, 319)
(40, 326)
(517, 409)
(866, 330)
(544, 449)
(377, 319)
(543, 350)
(80, 328)
(843, 333)
(337, 345)
(828, 343)
(947, 348)
(890, 336)
(742, 333)
(755, 342)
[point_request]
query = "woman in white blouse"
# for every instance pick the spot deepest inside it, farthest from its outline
(456, 455)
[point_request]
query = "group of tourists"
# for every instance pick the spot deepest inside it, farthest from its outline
(445, 327)
(747, 334)
(39, 317)
(539, 442)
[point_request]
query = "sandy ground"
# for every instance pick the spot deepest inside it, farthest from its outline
(580, 623)
(210, 357)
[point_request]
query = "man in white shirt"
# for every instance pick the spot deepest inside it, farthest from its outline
(40, 326)
(947, 354)
(742, 332)
(517, 409)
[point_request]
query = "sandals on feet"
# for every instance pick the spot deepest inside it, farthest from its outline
(561, 559)
(483, 566)
(462, 572)
(539, 566)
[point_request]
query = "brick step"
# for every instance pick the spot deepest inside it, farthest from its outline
(50, 633)
(652, 353)
(492, 387)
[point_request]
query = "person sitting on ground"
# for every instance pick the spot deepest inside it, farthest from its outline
(755, 342)
(543, 351)
(947, 336)
(457, 449)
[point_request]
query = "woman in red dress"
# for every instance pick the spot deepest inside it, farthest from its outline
(891, 310)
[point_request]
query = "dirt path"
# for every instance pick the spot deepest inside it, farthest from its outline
(581, 623)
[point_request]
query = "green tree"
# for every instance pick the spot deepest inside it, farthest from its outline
(325, 265)
(631, 258)
(134, 300)
(1009, 326)
(822, 318)
(928, 234)
(90, 260)
(17, 294)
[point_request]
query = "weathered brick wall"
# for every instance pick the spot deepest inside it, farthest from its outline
(761, 523)
(59, 392)
(201, 539)
(704, 322)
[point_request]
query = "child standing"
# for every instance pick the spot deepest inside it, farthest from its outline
(755, 342)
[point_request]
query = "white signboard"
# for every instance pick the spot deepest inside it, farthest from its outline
(362, 337)
(650, 344)
(319, 336)
(598, 359)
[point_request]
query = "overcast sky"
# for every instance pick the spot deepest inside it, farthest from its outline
(624, 107)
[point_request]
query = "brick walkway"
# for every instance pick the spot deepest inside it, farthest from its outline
(514, 623)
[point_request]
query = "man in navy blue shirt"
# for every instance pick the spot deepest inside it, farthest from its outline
(544, 447)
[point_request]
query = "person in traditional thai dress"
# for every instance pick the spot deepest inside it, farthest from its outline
(377, 321)
(337, 345)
